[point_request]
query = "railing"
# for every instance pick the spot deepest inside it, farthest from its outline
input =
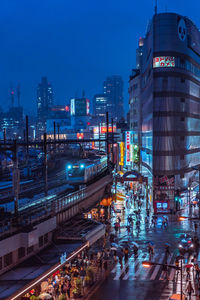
(48, 207)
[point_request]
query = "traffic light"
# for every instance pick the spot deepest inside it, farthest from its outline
(177, 199)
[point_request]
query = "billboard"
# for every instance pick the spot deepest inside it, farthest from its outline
(163, 61)
(127, 147)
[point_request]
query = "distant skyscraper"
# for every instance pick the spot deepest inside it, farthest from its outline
(100, 106)
(44, 104)
(113, 90)
(44, 99)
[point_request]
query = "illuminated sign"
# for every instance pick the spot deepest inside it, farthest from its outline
(121, 161)
(79, 135)
(87, 106)
(104, 129)
(72, 107)
(128, 162)
(164, 61)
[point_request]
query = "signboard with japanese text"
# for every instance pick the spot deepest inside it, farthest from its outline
(164, 182)
(128, 161)
(163, 61)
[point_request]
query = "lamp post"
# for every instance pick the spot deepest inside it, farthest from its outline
(148, 264)
(190, 188)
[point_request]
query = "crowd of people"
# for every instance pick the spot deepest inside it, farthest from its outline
(73, 280)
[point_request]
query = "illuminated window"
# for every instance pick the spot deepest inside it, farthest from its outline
(164, 61)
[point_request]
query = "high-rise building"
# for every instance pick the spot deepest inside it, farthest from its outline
(44, 104)
(100, 107)
(165, 107)
(113, 90)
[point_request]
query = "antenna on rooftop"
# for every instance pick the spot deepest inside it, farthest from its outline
(18, 94)
(12, 96)
(156, 7)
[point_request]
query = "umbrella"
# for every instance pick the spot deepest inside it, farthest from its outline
(113, 248)
(188, 266)
(150, 242)
(119, 253)
(167, 244)
(45, 296)
(134, 243)
(114, 245)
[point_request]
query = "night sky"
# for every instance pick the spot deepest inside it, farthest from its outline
(75, 43)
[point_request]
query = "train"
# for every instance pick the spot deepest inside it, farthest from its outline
(82, 171)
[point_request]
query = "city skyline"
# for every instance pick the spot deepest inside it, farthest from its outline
(73, 48)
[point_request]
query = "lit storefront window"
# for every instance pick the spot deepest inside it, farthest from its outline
(164, 61)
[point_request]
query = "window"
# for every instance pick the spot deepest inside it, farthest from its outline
(41, 242)
(182, 80)
(21, 252)
(182, 138)
(8, 259)
(183, 100)
(46, 238)
(182, 119)
(30, 249)
(181, 157)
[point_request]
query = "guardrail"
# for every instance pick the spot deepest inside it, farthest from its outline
(48, 207)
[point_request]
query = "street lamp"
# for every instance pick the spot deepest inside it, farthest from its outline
(148, 264)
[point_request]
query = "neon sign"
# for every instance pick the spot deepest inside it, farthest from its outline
(164, 61)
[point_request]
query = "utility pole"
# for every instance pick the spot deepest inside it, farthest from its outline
(99, 137)
(54, 130)
(15, 178)
(199, 193)
(45, 164)
(107, 144)
(112, 143)
(4, 135)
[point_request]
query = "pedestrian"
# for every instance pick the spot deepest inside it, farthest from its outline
(195, 227)
(116, 228)
(120, 261)
(196, 266)
(150, 251)
(126, 255)
(188, 274)
(165, 272)
(167, 251)
(105, 266)
(128, 229)
(190, 289)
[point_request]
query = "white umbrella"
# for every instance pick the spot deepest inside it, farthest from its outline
(113, 248)
(134, 243)
(45, 296)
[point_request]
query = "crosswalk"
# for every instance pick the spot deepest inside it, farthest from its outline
(134, 270)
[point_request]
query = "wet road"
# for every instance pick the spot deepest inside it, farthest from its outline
(133, 281)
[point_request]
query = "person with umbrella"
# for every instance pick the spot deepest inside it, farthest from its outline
(120, 255)
(167, 251)
(189, 289)
(135, 249)
(165, 272)
(150, 250)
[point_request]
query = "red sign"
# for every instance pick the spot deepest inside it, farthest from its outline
(127, 147)
(80, 135)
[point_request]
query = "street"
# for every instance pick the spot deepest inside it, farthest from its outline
(133, 281)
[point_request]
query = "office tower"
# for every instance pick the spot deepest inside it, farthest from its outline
(113, 90)
(164, 106)
(44, 104)
(100, 107)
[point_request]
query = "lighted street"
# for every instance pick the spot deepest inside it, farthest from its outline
(133, 281)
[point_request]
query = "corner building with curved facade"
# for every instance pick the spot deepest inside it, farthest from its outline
(168, 76)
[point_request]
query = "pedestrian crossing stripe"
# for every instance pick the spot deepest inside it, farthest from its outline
(134, 270)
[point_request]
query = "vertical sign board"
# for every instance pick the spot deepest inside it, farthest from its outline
(128, 161)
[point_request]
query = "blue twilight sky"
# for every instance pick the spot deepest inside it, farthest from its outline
(75, 43)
